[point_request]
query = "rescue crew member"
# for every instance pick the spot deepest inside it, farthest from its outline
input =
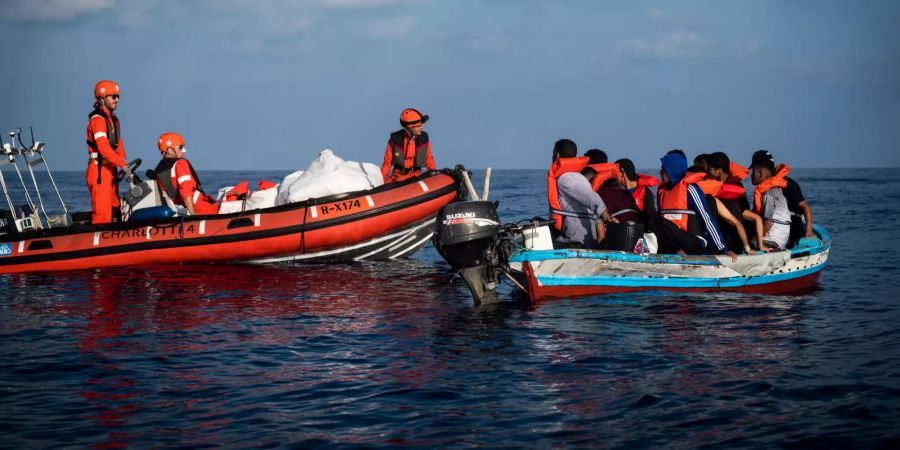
(178, 179)
(769, 202)
(801, 213)
(408, 149)
(684, 224)
(106, 151)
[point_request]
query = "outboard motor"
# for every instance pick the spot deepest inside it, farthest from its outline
(466, 237)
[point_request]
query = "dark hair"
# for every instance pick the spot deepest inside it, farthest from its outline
(565, 148)
(596, 156)
(701, 158)
(719, 160)
(677, 151)
(589, 173)
(766, 164)
(627, 166)
(696, 169)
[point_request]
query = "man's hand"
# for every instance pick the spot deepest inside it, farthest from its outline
(608, 218)
(601, 231)
(810, 233)
(732, 255)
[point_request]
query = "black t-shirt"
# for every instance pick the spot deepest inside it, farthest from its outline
(794, 195)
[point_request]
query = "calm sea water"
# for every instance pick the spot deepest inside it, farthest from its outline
(393, 354)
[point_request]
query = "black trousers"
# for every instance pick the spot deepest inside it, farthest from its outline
(671, 239)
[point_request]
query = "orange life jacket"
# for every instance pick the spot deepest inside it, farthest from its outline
(776, 181)
(605, 171)
(721, 189)
(673, 204)
(559, 167)
(644, 182)
(738, 172)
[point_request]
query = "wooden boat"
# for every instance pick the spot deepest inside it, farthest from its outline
(389, 221)
(470, 238)
(572, 273)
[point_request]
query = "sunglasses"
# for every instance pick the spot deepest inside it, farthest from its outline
(115, 96)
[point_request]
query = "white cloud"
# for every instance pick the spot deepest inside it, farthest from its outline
(395, 27)
(675, 45)
(50, 10)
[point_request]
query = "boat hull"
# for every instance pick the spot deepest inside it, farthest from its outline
(344, 227)
(573, 273)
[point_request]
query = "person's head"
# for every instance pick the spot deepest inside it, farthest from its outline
(626, 170)
(718, 166)
(412, 121)
(596, 156)
(762, 166)
(171, 145)
(701, 160)
(564, 148)
(106, 93)
(674, 166)
(589, 173)
(696, 169)
(677, 151)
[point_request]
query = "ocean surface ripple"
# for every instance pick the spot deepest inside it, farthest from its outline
(389, 354)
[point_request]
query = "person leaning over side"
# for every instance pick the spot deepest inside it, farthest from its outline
(684, 224)
(769, 202)
(408, 149)
(801, 212)
(106, 151)
(178, 179)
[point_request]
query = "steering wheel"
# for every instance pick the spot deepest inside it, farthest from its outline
(129, 170)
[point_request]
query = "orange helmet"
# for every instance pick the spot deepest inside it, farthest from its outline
(105, 87)
(169, 139)
(412, 118)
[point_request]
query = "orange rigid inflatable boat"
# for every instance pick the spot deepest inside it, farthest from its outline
(390, 221)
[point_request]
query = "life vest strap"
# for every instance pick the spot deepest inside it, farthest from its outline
(677, 211)
(572, 214)
(621, 212)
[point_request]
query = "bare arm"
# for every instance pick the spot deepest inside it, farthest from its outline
(726, 214)
(807, 215)
(758, 224)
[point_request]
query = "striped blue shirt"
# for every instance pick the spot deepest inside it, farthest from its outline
(697, 202)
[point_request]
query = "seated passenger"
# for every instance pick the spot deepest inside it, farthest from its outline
(801, 213)
(565, 159)
(630, 219)
(684, 224)
(716, 195)
(178, 179)
(639, 186)
(582, 211)
(770, 203)
(721, 169)
(701, 160)
(408, 150)
(596, 156)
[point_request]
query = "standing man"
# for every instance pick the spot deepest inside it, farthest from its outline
(408, 149)
(106, 151)
(178, 179)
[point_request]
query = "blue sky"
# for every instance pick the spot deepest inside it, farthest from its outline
(267, 84)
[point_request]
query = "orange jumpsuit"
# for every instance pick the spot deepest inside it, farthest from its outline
(389, 167)
(104, 142)
(186, 184)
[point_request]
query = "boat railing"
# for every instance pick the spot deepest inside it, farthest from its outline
(32, 214)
